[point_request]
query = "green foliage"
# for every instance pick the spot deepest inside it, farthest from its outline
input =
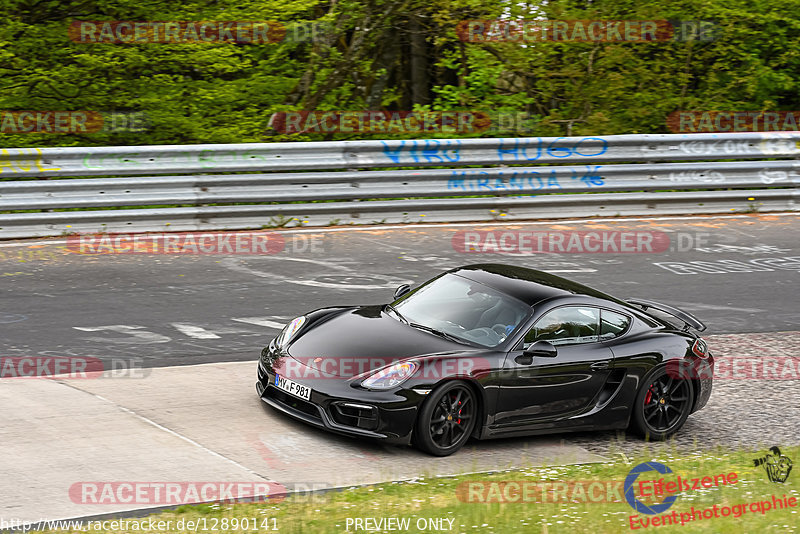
(227, 92)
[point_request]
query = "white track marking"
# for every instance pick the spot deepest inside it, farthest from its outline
(260, 321)
(198, 332)
(570, 270)
(237, 264)
(194, 331)
(137, 336)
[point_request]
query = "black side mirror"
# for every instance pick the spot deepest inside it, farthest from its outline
(402, 290)
(544, 349)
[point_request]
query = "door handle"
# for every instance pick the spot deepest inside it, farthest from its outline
(599, 366)
(523, 359)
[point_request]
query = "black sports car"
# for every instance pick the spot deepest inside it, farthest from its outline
(489, 351)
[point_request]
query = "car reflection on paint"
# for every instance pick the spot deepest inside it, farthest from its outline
(489, 351)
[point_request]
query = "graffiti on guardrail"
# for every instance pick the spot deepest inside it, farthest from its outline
(422, 151)
(20, 160)
(524, 149)
(480, 180)
(707, 177)
(425, 150)
(770, 177)
(774, 144)
(780, 145)
(531, 149)
(716, 147)
(647, 175)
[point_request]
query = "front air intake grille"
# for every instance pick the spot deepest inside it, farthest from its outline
(354, 414)
(292, 402)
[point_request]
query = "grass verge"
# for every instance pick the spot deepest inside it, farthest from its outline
(570, 499)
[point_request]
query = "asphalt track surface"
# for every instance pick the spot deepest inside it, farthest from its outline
(164, 310)
(145, 311)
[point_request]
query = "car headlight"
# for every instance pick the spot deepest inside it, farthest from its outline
(289, 331)
(390, 376)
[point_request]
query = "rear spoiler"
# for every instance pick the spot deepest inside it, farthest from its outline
(688, 319)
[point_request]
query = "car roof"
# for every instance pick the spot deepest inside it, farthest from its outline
(528, 285)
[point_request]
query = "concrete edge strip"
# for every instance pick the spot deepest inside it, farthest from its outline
(370, 227)
(169, 431)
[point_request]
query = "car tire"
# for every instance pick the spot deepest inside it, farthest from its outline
(662, 405)
(447, 418)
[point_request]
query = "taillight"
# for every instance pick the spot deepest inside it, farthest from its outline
(700, 348)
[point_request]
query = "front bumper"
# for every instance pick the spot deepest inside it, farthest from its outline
(335, 406)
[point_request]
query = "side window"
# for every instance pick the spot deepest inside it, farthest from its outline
(612, 324)
(564, 326)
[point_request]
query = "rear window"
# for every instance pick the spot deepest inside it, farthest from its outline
(657, 318)
(613, 324)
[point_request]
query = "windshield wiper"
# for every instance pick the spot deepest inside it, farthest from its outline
(438, 333)
(399, 315)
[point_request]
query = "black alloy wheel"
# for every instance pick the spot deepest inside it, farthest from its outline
(446, 419)
(663, 405)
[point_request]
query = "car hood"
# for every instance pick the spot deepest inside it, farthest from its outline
(364, 339)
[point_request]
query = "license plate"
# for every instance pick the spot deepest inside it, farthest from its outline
(299, 390)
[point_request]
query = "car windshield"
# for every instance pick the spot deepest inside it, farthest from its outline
(463, 309)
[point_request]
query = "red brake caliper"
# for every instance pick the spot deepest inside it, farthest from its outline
(459, 413)
(648, 397)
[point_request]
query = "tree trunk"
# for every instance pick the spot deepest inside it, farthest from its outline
(419, 63)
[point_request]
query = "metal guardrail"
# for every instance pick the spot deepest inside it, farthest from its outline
(511, 183)
(272, 157)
